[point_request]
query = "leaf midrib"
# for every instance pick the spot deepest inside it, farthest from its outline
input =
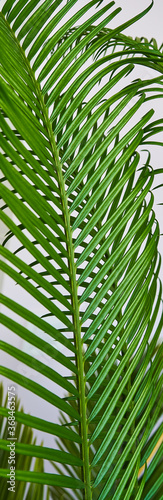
(73, 281)
(76, 319)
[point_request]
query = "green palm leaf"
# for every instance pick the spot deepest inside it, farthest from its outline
(78, 208)
(24, 441)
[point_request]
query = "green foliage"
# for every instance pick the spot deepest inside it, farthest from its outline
(78, 206)
(24, 441)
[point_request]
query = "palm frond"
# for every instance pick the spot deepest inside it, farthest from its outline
(24, 441)
(84, 242)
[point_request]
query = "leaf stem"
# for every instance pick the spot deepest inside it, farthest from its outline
(87, 494)
(75, 305)
(77, 330)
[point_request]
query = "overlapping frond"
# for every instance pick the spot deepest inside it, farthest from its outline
(24, 439)
(83, 240)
